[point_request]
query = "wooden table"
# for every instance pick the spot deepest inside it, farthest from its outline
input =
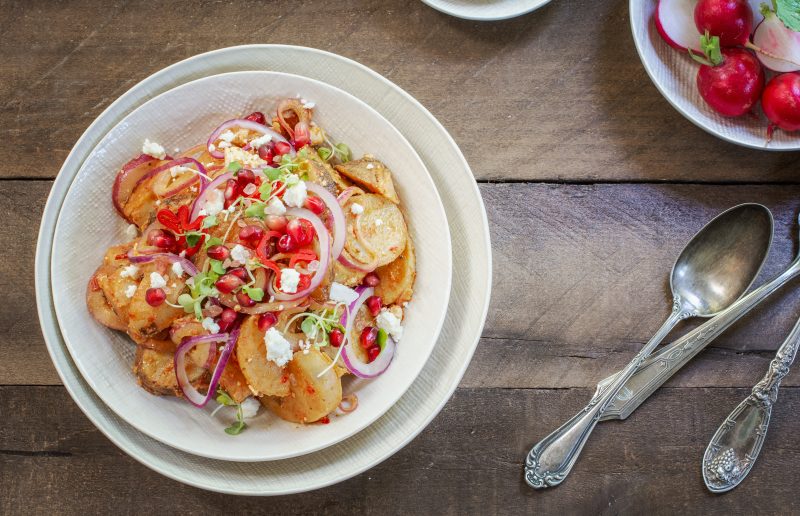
(592, 183)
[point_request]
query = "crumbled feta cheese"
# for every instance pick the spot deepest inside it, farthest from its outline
(209, 324)
(177, 269)
(158, 202)
(240, 254)
(212, 147)
(130, 290)
(255, 143)
(309, 104)
(227, 136)
(131, 231)
(370, 166)
(289, 280)
(250, 408)
(180, 169)
(342, 293)
(275, 207)
(157, 280)
(378, 222)
(356, 209)
(129, 272)
(295, 195)
(223, 145)
(245, 158)
(390, 323)
(153, 149)
(279, 350)
(215, 202)
(202, 212)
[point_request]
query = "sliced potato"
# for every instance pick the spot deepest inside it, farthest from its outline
(233, 382)
(155, 372)
(372, 175)
(316, 172)
(347, 276)
(100, 308)
(115, 289)
(263, 376)
(145, 321)
(397, 278)
(381, 228)
(312, 397)
(143, 203)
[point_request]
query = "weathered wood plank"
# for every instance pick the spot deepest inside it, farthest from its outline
(468, 461)
(564, 256)
(557, 94)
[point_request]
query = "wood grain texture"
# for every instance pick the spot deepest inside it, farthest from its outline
(53, 460)
(556, 95)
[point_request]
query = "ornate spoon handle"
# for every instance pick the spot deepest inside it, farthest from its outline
(659, 367)
(552, 458)
(735, 446)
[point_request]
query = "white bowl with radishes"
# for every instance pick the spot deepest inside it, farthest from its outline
(743, 84)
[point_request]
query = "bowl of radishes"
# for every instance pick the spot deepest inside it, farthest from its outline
(730, 66)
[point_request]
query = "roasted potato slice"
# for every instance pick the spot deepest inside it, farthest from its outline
(312, 397)
(347, 276)
(99, 307)
(381, 228)
(115, 284)
(397, 278)
(143, 203)
(371, 174)
(316, 172)
(155, 372)
(263, 376)
(145, 321)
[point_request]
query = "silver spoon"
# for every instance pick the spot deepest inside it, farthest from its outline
(715, 268)
(735, 446)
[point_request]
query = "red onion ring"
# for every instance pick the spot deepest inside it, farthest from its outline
(324, 259)
(337, 214)
(244, 124)
(127, 179)
(188, 267)
(345, 195)
(205, 190)
(346, 260)
(165, 193)
(350, 357)
(352, 403)
(193, 395)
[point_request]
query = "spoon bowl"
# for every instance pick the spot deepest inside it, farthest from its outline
(721, 262)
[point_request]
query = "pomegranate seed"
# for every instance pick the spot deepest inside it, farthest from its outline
(245, 177)
(371, 280)
(226, 319)
(251, 234)
(258, 117)
(315, 204)
(372, 353)
(325, 420)
(244, 299)
(282, 148)
(239, 272)
(276, 222)
(218, 252)
(301, 231)
(231, 190)
(161, 238)
(336, 337)
(374, 304)
(228, 283)
(155, 296)
(286, 244)
(267, 321)
(369, 336)
(265, 153)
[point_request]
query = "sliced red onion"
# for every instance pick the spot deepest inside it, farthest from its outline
(188, 267)
(193, 395)
(352, 264)
(164, 192)
(339, 223)
(349, 356)
(324, 257)
(202, 197)
(345, 195)
(244, 124)
(127, 179)
(230, 301)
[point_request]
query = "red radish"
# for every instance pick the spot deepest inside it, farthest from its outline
(731, 20)
(778, 46)
(781, 101)
(674, 20)
(730, 80)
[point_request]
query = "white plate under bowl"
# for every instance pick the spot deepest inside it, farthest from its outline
(460, 333)
(674, 74)
(486, 10)
(184, 117)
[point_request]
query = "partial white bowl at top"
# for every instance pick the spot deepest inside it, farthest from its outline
(88, 224)
(674, 74)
